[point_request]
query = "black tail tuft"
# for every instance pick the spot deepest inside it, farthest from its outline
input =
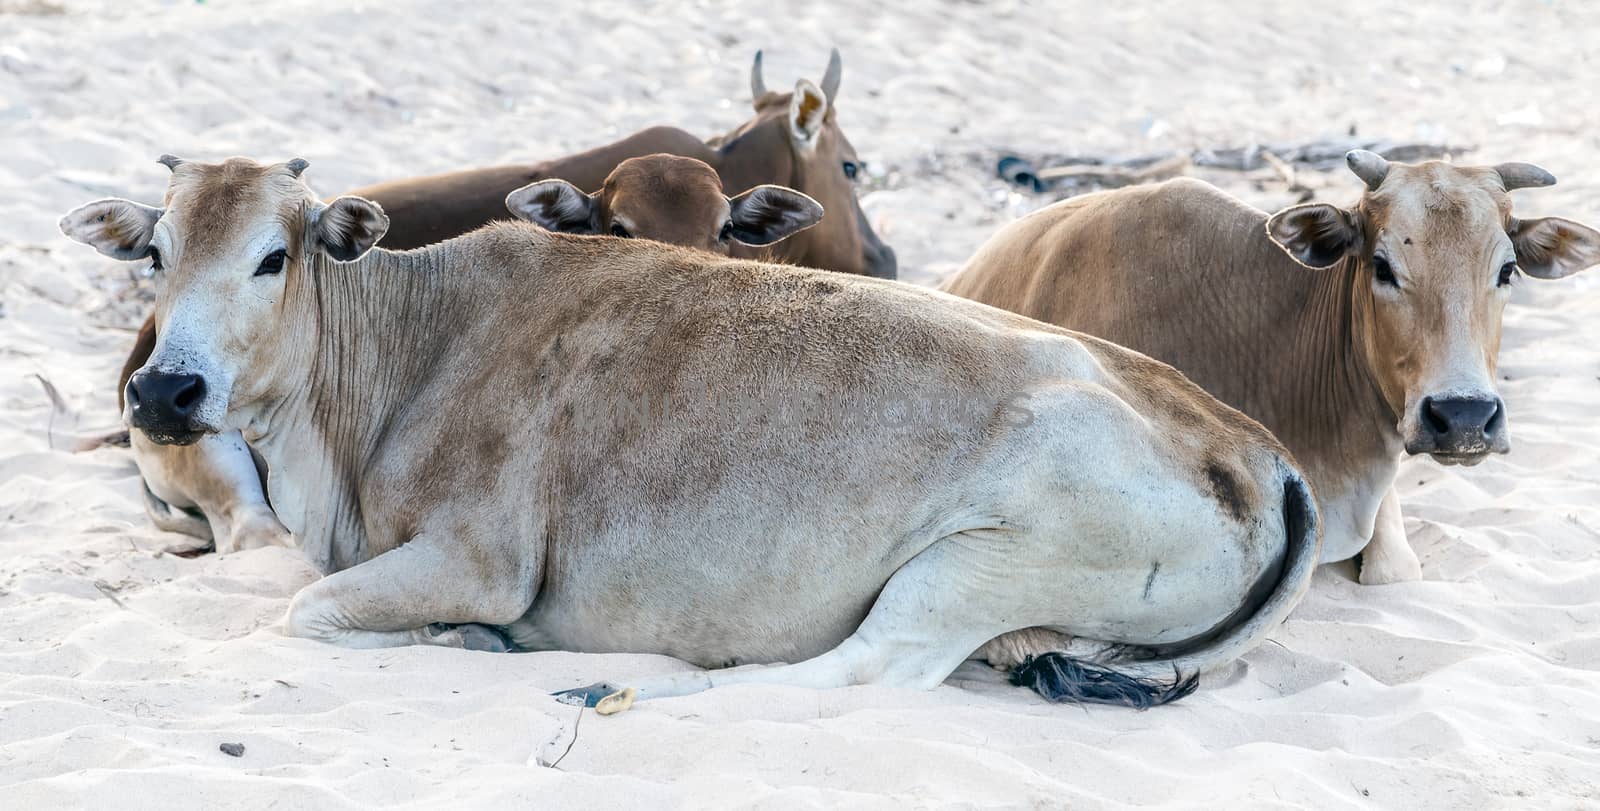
(1059, 677)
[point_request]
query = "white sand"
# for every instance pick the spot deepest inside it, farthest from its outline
(121, 669)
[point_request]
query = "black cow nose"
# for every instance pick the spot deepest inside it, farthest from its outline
(164, 401)
(1462, 424)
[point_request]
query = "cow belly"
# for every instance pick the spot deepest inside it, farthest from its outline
(700, 610)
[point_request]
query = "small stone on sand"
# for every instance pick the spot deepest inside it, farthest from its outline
(616, 702)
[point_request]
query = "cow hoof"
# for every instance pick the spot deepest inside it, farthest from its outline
(183, 520)
(442, 635)
(484, 638)
(590, 696)
(189, 548)
(1382, 571)
(259, 533)
(469, 636)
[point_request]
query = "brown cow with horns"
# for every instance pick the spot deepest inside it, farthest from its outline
(1355, 334)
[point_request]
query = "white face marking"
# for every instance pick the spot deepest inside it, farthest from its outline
(267, 238)
(206, 322)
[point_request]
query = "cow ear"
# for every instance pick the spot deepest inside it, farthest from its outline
(1552, 248)
(765, 214)
(349, 226)
(555, 205)
(1316, 235)
(807, 107)
(120, 229)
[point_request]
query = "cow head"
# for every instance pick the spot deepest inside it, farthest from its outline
(794, 140)
(1435, 249)
(224, 246)
(668, 199)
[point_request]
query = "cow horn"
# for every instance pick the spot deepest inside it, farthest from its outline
(1523, 176)
(297, 165)
(1369, 166)
(758, 86)
(830, 77)
(170, 161)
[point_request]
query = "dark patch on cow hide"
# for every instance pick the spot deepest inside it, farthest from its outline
(1151, 580)
(1226, 490)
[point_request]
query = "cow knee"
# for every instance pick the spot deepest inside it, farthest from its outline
(308, 618)
(503, 594)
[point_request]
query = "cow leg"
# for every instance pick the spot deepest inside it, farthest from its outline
(166, 501)
(217, 476)
(1388, 557)
(406, 595)
(168, 518)
(931, 615)
(227, 485)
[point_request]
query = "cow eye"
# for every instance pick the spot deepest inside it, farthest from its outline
(1508, 271)
(620, 232)
(1383, 272)
(155, 259)
(272, 264)
(851, 168)
(727, 232)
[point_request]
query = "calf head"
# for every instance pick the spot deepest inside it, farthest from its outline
(226, 245)
(669, 199)
(794, 140)
(1435, 250)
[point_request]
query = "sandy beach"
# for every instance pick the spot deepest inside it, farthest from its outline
(122, 669)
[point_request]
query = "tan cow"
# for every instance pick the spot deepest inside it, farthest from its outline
(1356, 334)
(793, 140)
(212, 490)
(669, 199)
(596, 444)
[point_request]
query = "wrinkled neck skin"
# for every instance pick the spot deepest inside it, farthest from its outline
(353, 339)
(1332, 392)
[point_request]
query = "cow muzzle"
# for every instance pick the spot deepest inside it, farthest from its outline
(164, 404)
(878, 258)
(1460, 430)
(881, 263)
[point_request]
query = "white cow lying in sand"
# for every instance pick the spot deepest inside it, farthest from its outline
(214, 490)
(594, 444)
